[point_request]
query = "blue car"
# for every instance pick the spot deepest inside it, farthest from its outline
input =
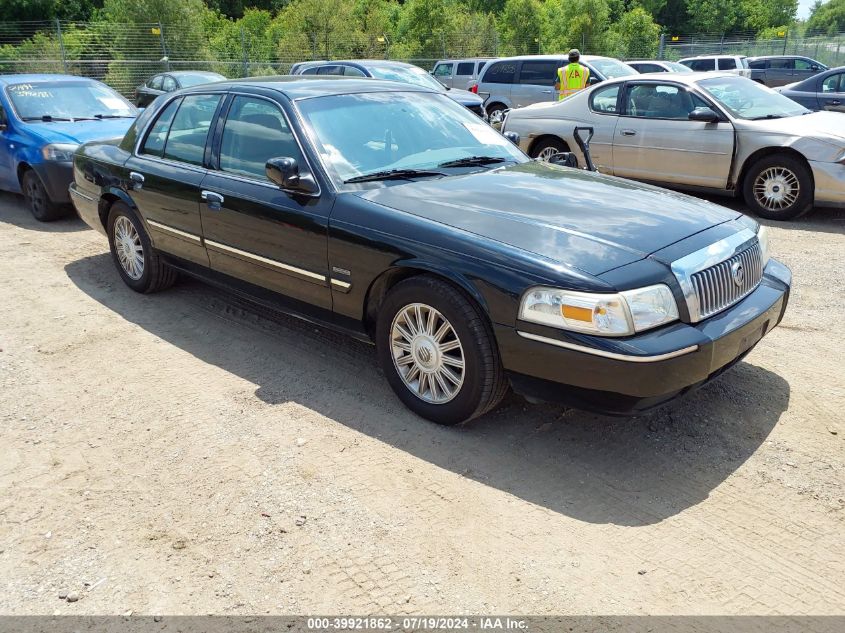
(43, 119)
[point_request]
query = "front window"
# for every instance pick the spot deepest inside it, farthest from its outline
(68, 101)
(360, 134)
(407, 75)
(443, 70)
(612, 68)
(746, 99)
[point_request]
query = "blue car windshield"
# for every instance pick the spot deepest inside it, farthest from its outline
(67, 100)
(359, 134)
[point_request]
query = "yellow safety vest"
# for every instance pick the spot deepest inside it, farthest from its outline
(572, 78)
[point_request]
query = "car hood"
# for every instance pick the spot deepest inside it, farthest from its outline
(464, 97)
(583, 220)
(80, 131)
(821, 125)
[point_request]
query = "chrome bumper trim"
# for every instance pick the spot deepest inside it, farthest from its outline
(264, 260)
(172, 231)
(75, 192)
(595, 352)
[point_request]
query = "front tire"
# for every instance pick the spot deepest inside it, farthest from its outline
(40, 204)
(138, 263)
(438, 352)
(779, 187)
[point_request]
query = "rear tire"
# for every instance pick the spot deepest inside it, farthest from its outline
(497, 108)
(778, 187)
(545, 148)
(438, 352)
(40, 204)
(138, 263)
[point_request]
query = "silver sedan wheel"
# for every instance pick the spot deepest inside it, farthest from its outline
(547, 153)
(427, 353)
(127, 245)
(776, 188)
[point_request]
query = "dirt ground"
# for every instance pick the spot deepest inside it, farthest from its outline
(189, 453)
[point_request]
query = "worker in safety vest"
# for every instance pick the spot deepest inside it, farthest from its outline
(571, 78)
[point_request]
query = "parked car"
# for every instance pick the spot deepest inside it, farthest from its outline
(43, 119)
(392, 71)
(708, 131)
(825, 91)
(514, 82)
(657, 66)
(458, 73)
(736, 64)
(779, 70)
(393, 214)
(168, 82)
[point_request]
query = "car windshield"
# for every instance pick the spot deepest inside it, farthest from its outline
(612, 68)
(407, 75)
(187, 81)
(56, 100)
(361, 134)
(746, 99)
(676, 67)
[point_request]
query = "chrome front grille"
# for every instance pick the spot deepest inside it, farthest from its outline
(723, 284)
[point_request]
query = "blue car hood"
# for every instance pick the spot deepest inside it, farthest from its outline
(79, 131)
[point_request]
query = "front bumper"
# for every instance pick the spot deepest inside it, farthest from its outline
(630, 375)
(829, 179)
(56, 177)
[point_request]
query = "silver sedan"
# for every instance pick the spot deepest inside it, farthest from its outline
(706, 131)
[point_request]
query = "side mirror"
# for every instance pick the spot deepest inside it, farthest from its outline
(284, 172)
(593, 80)
(513, 137)
(705, 115)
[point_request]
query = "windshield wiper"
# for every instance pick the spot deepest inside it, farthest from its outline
(46, 118)
(113, 116)
(394, 174)
(471, 161)
(768, 116)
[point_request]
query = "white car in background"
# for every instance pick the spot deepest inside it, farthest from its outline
(711, 131)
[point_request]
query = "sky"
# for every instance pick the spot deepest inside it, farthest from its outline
(804, 7)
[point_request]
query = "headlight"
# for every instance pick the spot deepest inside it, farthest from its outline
(61, 152)
(763, 239)
(620, 314)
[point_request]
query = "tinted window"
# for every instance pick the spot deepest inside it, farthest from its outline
(650, 68)
(465, 68)
(189, 130)
(157, 136)
(330, 70)
(351, 71)
(757, 64)
(255, 132)
(700, 65)
(310, 71)
(155, 82)
(500, 73)
(168, 84)
(655, 101)
(831, 84)
(727, 63)
(443, 70)
(781, 64)
(539, 73)
(604, 99)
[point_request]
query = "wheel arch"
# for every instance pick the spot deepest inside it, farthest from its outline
(23, 167)
(107, 200)
(400, 271)
(770, 151)
(544, 137)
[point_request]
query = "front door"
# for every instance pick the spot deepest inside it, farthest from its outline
(253, 230)
(443, 74)
(779, 72)
(164, 177)
(654, 139)
(832, 94)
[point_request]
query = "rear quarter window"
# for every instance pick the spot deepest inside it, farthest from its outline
(500, 73)
(465, 68)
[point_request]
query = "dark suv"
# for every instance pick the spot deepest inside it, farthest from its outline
(779, 70)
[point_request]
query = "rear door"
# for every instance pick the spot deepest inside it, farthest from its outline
(535, 82)
(832, 93)
(253, 230)
(496, 84)
(166, 171)
(654, 139)
(780, 71)
(443, 74)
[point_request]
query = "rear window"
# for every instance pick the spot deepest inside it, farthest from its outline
(500, 73)
(465, 68)
(539, 73)
(727, 63)
(700, 65)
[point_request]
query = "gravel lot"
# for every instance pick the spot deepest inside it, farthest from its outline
(189, 453)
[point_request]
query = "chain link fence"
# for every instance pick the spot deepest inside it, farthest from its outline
(125, 55)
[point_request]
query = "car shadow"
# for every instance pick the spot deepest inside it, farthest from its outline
(818, 219)
(13, 210)
(624, 471)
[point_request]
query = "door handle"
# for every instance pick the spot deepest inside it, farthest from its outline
(136, 179)
(834, 102)
(547, 92)
(628, 133)
(213, 200)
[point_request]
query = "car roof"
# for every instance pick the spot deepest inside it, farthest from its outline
(715, 56)
(183, 73)
(306, 86)
(689, 78)
(33, 77)
(780, 57)
(464, 59)
(586, 58)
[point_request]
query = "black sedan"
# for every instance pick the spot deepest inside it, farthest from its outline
(169, 82)
(394, 214)
(825, 91)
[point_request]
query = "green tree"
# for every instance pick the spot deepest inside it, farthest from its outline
(635, 35)
(574, 23)
(827, 19)
(519, 27)
(712, 16)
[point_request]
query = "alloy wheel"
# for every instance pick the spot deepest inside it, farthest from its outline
(127, 245)
(547, 153)
(776, 188)
(427, 353)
